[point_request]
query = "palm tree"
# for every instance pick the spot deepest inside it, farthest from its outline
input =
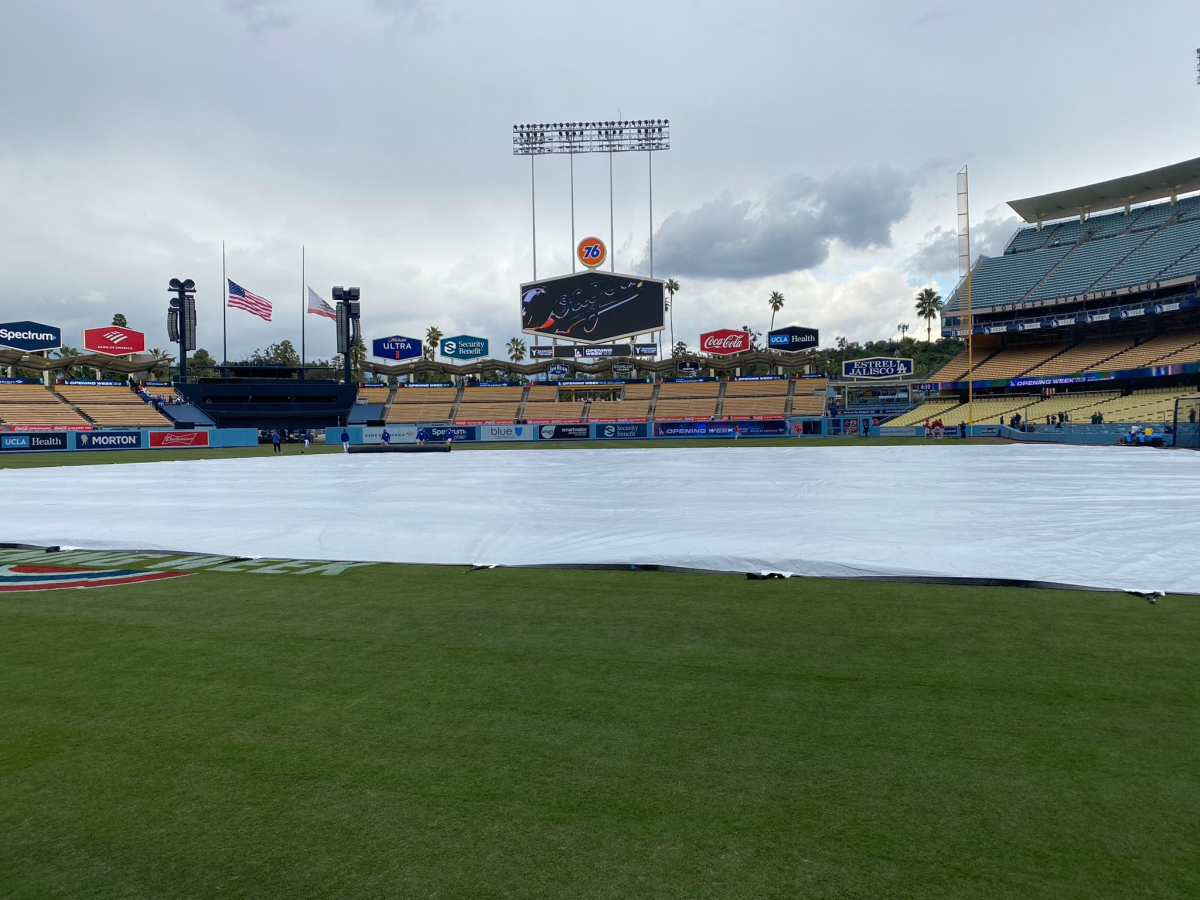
(162, 363)
(776, 303)
(671, 287)
(929, 306)
(433, 336)
(358, 356)
(65, 352)
(516, 350)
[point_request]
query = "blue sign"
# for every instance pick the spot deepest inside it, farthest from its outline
(463, 347)
(33, 442)
(108, 440)
(792, 338)
(396, 347)
(564, 432)
(461, 432)
(32, 337)
(619, 431)
(766, 428)
(877, 367)
(688, 366)
(558, 370)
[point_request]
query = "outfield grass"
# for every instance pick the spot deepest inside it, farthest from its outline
(32, 460)
(422, 732)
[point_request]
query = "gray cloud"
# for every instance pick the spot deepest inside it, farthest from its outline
(418, 16)
(261, 16)
(938, 253)
(789, 230)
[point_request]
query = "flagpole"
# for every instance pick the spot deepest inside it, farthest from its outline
(303, 304)
(224, 305)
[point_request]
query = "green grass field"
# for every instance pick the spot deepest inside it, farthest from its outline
(423, 732)
(30, 460)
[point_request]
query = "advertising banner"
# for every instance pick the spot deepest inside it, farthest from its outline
(602, 351)
(558, 371)
(396, 347)
(506, 433)
(688, 367)
(618, 431)
(463, 346)
(766, 428)
(56, 427)
(645, 349)
(792, 338)
(108, 440)
(399, 434)
(461, 433)
(877, 367)
(541, 352)
(592, 307)
(724, 341)
(622, 369)
(32, 337)
(15, 441)
(564, 432)
(114, 340)
(172, 439)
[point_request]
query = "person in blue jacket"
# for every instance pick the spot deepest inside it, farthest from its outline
(386, 438)
(345, 441)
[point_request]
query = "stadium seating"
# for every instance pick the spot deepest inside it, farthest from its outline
(32, 404)
(619, 409)
(1086, 265)
(482, 404)
(1006, 279)
(1015, 361)
(422, 405)
(162, 392)
(111, 405)
(1158, 254)
(696, 400)
(639, 391)
(751, 399)
(934, 408)
(956, 369)
(1083, 356)
(557, 410)
(808, 405)
(1154, 406)
(1151, 350)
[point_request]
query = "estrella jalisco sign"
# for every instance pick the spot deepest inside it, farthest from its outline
(877, 367)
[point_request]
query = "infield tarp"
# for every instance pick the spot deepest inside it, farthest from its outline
(1101, 517)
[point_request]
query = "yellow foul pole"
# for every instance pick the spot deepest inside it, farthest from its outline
(964, 273)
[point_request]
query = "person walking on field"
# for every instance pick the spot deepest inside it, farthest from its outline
(345, 441)
(307, 441)
(276, 442)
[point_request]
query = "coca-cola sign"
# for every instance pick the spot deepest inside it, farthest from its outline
(724, 341)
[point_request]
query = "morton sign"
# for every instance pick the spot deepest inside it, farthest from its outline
(877, 367)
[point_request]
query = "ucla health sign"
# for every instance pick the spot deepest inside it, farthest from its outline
(792, 338)
(32, 337)
(877, 367)
(463, 347)
(396, 347)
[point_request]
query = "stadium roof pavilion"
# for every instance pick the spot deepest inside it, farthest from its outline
(1156, 184)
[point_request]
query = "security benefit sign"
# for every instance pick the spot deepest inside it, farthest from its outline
(463, 347)
(592, 307)
(108, 440)
(792, 338)
(877, 367)
(31, 337)
(396, 347)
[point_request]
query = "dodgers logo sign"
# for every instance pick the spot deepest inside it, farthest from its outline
(32, 337)
(877, 367)
(464, 346)
(108, 440)
(396, 347)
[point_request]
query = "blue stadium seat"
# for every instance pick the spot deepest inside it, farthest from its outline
(1160, 252)
(1086, 265)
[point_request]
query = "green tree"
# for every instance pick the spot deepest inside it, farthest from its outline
(678, 350)
(201, 364)
(776, 303)
(120, 321)
(433, 337)
(358, 356)
(162, 364)
(671, 287)
(71, 371)
(929, 307)
(754, 336)
(516, 350)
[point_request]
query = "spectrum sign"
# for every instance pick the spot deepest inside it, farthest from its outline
(32, 337)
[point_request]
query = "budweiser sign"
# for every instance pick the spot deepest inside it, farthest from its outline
(724, 342)
(114, 340)
(179, 439)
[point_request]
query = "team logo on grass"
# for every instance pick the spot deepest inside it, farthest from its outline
(52, 578)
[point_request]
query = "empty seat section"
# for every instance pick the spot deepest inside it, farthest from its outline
(422, 404)
(1027, 239)
(1006, 279)
(1158, 254)
(619, 409)
(555, 411)
(682, 400)
(1153, 349)
(1013, 361)
(112, 405)
(808, 405)
(757, 388)
(1083, 268)
(936, 408)
(1083, 356)
(32, 404)
(752, 407)
(489, 404)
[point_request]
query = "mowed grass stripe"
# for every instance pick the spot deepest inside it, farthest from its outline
(418, 731)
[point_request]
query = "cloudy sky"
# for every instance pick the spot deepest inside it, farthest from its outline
(814, 147)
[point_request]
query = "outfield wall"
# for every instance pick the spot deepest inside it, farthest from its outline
(586, 431)
(106, 440)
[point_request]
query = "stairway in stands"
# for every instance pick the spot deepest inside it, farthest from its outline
(521, 406)
(791, 396)
(653, 399)
(721, 399)
(458, 397)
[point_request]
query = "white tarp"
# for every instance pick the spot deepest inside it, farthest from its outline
(1102, 517)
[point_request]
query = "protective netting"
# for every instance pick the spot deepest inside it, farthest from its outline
(1187, 423)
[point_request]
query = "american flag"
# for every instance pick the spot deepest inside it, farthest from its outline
(240, 298)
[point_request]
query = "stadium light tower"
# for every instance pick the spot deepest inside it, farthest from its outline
(348, 331)
(622, 136)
